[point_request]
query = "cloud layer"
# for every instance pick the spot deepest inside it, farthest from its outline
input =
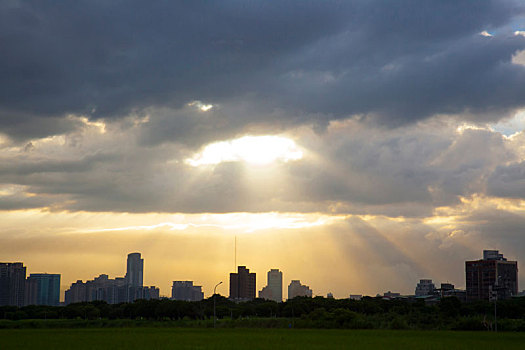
(393, 63)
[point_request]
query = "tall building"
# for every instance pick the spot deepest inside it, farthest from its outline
(12, 284)
(242, 284)
(185, 290)
(43, 289)
(491, 275)
(135, 270)
(274, 289)
(296, 289)
(425, 287)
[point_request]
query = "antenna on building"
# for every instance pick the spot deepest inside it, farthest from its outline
(235, 255)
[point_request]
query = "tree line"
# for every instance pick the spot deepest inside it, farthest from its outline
(300, 312)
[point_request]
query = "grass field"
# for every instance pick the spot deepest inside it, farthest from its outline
(182, 338)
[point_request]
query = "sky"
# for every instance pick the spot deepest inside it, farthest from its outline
(357, 146)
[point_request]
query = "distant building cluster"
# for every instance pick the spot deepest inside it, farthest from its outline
(113, 291)
(242, 286)
(37, 289)
(490, 278)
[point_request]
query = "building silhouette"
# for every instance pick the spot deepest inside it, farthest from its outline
(274, 288)
(425, 287)
(185, 290)
(135, 270)
(390, 295)
(42, 289)
(114, 291)
(491, 276)
(242, 284)
(448, 290)
(12, 284)
(296, 289)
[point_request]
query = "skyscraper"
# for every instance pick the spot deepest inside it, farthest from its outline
(43, 289)
(274, 289)
(491, 274)
(242, 284)
(135, 270)
(12, 284)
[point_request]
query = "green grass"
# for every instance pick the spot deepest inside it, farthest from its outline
(185, 338)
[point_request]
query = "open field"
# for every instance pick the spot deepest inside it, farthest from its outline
(183, 338)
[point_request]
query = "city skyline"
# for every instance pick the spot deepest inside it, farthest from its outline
(44, 288)
(382, 139)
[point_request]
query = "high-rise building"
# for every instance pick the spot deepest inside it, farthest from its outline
(12, 284)
(135, 270)
(425, 287)
(274, 289)
(185, 290)
(491, 276)
(242, 284)
(296, 289)
(43, 289)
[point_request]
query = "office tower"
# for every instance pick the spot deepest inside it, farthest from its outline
(425, 287)
(242, 284)
(185, 290)
(43, 289)
(491, 276)
(296, 289)
(135, 270)
(12, 284)
(274, 289)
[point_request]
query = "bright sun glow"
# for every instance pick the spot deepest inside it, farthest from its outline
(252, 149)
(203, 107)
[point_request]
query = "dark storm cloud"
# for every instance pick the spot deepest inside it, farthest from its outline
(396, 61)
(508, 181)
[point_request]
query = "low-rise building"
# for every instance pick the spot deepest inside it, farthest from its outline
(425, 287)
(185, 290)
(296, 289)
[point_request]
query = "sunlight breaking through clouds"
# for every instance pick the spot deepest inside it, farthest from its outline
(259, 150)
(198, 104)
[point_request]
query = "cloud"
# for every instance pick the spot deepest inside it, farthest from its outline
(316, 62)
(508, 181)
(350, 168)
